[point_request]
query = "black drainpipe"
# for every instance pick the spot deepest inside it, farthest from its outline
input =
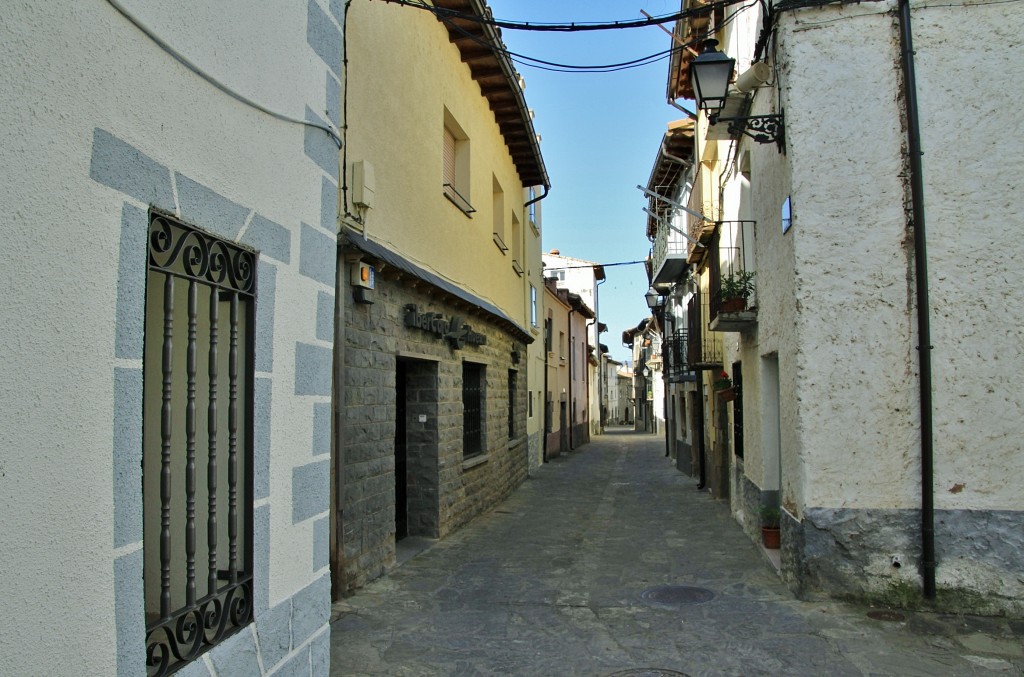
(921, 279)
(572, 400)
(544, 403)
(699, 433)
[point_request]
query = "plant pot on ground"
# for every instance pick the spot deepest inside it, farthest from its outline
(771, 536)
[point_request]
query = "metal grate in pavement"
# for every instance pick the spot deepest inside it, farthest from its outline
(677, 594)
(648, 672)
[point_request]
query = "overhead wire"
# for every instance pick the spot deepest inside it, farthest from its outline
(241, 98)
(541, 64)
(571, 27)
(594, 265)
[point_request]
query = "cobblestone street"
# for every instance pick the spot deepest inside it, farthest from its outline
(609, 561)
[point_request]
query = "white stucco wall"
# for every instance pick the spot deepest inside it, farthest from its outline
(854, 267)
(854, 356)
(973, 160)
(70, 69)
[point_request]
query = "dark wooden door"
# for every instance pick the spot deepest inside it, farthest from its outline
(401, 455)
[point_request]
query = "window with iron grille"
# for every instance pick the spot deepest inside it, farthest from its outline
(512, 378)
(197, 441)
(472, 409)
(737, 409)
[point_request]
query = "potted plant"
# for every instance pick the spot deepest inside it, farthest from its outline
(770, 534)
(723, 387)
(734, 291)
(722, 382)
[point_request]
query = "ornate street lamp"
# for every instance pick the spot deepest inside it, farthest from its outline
(654, 299)
(710, 74)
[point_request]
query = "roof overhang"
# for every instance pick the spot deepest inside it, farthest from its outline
(674, 154)
(687, 34)
(483, 51)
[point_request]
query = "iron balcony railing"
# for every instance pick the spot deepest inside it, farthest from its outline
(730, 262)
(676, 366)
(703, 350)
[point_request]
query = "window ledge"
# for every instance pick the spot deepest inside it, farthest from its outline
(500, 243)
(517, 441)
(456, 199)
(475, 461)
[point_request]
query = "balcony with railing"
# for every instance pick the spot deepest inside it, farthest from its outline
(703, 349)
(676, 367)
(700, 229)
(731, 284)
(668, 256)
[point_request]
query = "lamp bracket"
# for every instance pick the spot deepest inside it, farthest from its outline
(760, 128)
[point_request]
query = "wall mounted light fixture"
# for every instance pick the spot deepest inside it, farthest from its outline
(654, 299)
(710, 73)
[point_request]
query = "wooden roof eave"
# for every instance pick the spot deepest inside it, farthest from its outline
(499, 84)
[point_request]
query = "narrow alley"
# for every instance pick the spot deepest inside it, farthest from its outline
(609, 562)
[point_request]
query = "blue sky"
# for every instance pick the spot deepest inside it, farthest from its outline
(600, 137)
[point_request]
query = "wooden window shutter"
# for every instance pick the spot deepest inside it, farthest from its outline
(449, 158)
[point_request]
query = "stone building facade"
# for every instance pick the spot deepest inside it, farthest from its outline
(438, 301)
(409, 467)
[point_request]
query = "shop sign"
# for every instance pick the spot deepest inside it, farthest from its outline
(452, 330)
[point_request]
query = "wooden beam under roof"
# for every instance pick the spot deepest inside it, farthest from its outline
(493, 71)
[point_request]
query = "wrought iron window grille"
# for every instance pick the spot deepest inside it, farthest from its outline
(472, 409)
(200, 309)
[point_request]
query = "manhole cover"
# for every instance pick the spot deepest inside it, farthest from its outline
(648, 672)
(677, 594)
(886, 615)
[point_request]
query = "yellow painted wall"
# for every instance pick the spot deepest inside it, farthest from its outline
(403, 73)
(558, 368)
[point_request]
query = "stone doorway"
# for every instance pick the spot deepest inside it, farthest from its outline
(417, 506)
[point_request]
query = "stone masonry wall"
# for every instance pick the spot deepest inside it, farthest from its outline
(445, 491)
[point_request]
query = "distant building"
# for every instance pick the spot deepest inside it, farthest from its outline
(583, 278)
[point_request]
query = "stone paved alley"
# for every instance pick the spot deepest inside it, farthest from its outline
(563, 579)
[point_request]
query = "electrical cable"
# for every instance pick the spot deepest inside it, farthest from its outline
(562, 27)
(593, 265)
(447, 17)
(559, 67)
(183, 60)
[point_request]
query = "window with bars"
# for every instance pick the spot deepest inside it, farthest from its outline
(472, 409)
(197, 441)
(512, 378)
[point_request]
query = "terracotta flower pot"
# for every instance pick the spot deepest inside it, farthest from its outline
(771, 537)
(733, 305)
(727, 394)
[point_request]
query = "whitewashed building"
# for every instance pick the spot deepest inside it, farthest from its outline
(584, 278)
(170, 190)
(877, 404)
